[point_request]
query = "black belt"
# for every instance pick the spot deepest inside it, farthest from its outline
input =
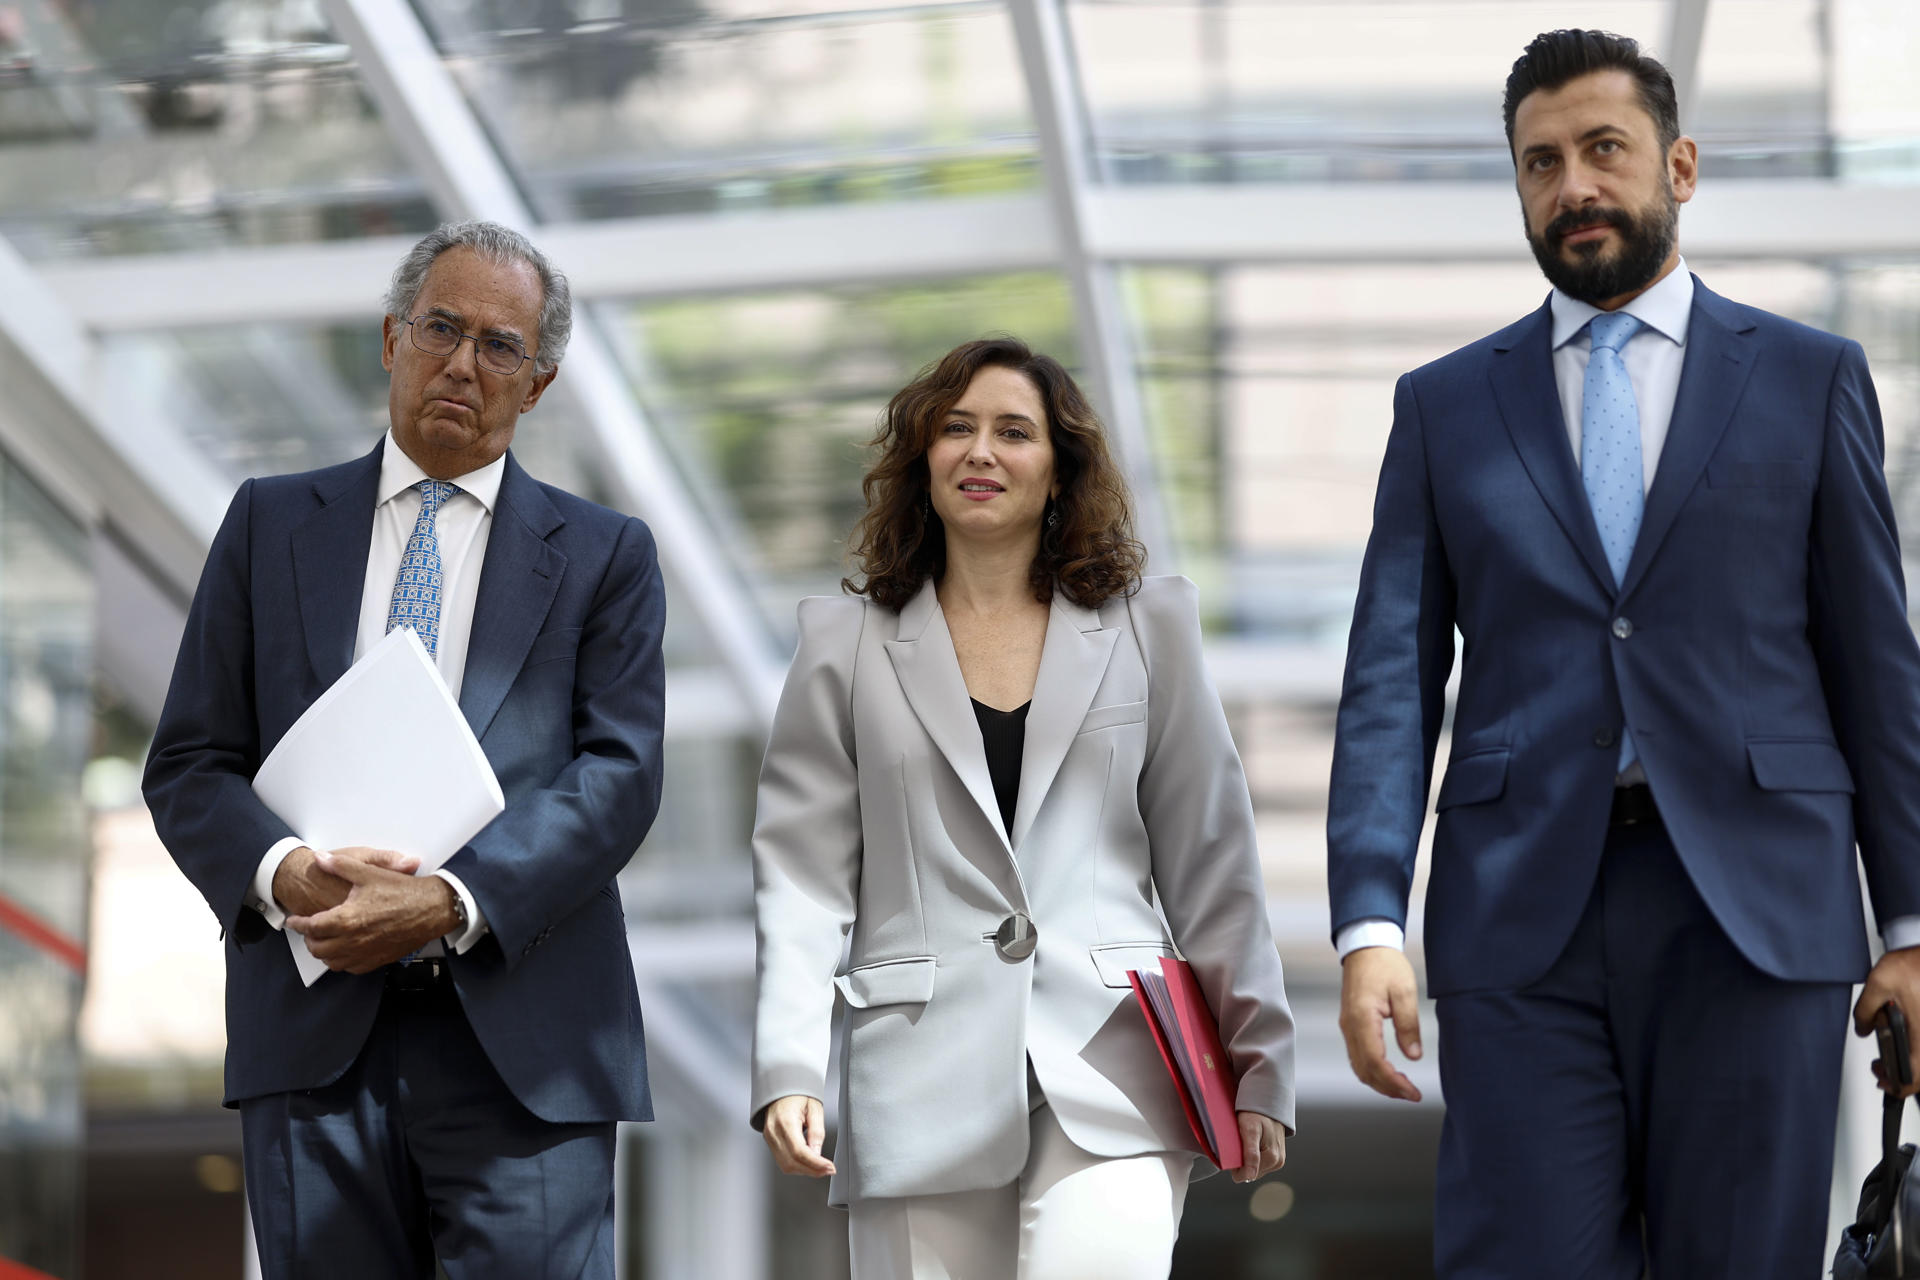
(1633, 806)
(427, 974)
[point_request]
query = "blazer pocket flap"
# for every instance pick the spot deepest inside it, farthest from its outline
(1799, 766)
(908, 981)
(1115, 958)
(563, 642)
(1109, 716)
(1473, 779)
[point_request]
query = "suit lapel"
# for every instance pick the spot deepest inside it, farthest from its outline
(330, 564)
(518, 581)
(928, 669)
(1529, 400)
(1718, 362)
(1072, 664)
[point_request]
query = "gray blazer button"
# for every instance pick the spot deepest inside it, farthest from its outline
(1016, 937)
(1604, 738)
(1622, 628)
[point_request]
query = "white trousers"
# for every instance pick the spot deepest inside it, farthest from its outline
(1069, 1216)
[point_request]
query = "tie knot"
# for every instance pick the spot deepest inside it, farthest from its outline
(435, 492)
(1611, 330)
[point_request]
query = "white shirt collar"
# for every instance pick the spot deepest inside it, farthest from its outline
(1665, 308)
(399, 473)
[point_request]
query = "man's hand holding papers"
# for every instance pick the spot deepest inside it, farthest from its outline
(302, 888)
(385, 916)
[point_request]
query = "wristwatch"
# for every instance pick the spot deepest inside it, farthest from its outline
(459, 914)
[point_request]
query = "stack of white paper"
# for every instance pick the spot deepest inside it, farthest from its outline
(382, 759)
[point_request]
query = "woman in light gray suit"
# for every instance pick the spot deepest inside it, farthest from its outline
(984, 766)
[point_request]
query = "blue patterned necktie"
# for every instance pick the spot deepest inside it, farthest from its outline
(416, 588)
(1610, 464)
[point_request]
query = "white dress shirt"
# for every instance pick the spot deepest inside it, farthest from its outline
(461, 527)
(1654, 356)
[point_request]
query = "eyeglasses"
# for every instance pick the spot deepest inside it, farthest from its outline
(438, 336)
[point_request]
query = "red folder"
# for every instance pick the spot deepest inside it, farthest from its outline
(1189, 1042)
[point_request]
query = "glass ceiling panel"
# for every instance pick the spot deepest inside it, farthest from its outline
(1875, 112)
(1350, 90)
(616, 108)
(1761, 110)
(1269, 393)
(134, 127)
(767, 401)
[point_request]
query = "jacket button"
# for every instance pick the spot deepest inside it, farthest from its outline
(1016, 938)
(1622, 628)
(1603, 738)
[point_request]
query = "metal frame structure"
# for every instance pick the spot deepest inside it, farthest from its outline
(1106, 346)
(1801, 219)
(155, 500)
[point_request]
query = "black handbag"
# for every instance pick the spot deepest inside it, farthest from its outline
(1884, 1240)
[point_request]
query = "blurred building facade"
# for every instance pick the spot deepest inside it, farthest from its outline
(1237, 220)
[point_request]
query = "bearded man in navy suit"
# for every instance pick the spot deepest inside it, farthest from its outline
(1658, 520)
(450, 1090)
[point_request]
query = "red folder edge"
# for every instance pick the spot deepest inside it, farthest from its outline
(1173, 1068)
(1201, 1033)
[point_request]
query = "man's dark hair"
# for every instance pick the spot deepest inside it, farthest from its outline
(1557, 57)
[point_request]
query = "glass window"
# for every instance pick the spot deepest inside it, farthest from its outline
(1875, 114)
(1761, 110)
(133, 127)
(46, 673)
(634, 107)
(1313, 90)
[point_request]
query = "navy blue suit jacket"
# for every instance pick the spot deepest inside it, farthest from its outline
(1759, 649)
(564, 687)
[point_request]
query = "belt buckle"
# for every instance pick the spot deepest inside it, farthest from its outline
(422, 974)
(1633, 806)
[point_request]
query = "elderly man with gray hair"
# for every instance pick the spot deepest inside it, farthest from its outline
(449, 1091)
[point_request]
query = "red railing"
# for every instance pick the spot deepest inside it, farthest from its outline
(21, 922)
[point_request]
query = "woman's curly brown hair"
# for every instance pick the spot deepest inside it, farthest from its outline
(1089, 552)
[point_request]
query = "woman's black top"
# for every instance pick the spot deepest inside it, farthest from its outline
(1005, 734)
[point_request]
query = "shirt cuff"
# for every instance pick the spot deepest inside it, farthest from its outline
(260, 892)
(476, 929)
(1377, 932)
(1903, 932)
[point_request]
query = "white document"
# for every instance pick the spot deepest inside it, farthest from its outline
(382, 759)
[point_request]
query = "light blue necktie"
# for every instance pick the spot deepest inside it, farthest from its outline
(416, 588)
(1610, 464)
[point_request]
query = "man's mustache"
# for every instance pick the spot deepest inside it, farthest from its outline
(1580, 219)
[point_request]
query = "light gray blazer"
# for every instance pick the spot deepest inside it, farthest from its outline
(877, 816)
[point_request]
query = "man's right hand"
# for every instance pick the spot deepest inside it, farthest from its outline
(1376, 984)
(303, 889)
(795, 1127)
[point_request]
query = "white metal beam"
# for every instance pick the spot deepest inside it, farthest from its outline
(1106, 345)
(1478, 221)
(113, 465)
(628, 257)
(1802, 219)
(438, 132)
(1686, 29)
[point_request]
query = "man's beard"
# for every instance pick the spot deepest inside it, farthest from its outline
(1646, 241)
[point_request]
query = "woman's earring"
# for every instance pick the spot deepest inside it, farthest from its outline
(1053, 516)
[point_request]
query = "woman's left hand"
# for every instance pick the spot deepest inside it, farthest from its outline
(1263, 1146)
